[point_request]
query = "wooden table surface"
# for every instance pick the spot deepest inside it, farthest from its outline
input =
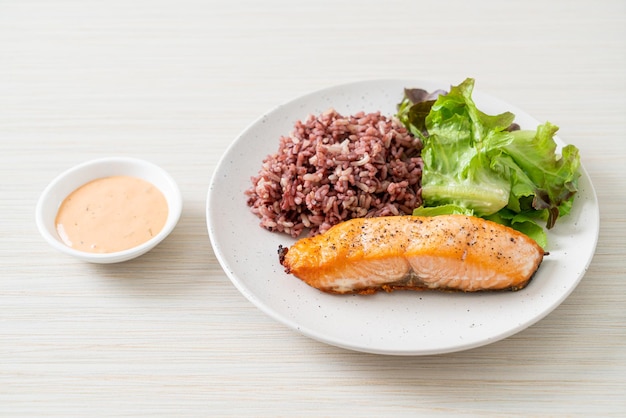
(174, 82)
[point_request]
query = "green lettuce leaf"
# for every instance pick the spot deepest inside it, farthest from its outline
(414, 108)
(442, 210)
(477, 163)
(539, 172)
(522, 223)
(460, 164)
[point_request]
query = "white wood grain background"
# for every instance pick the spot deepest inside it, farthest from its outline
(174, 82)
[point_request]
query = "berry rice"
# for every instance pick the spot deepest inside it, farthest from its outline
(332, 168)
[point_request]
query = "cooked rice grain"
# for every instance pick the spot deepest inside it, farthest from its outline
(333, 168)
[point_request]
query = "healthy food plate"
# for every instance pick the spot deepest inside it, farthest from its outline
(398, 323)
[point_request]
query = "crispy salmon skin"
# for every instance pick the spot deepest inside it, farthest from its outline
(448, 252)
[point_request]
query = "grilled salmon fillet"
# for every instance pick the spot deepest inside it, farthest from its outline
(448, 252)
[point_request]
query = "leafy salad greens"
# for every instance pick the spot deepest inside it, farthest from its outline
(483, 165)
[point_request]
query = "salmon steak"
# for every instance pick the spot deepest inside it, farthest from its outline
(447, 252)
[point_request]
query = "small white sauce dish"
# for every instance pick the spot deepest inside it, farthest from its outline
(55, 193)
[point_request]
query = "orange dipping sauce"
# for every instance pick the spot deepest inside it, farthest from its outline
(111, 214)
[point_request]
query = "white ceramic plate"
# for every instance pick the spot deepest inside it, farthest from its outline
(399, 323)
